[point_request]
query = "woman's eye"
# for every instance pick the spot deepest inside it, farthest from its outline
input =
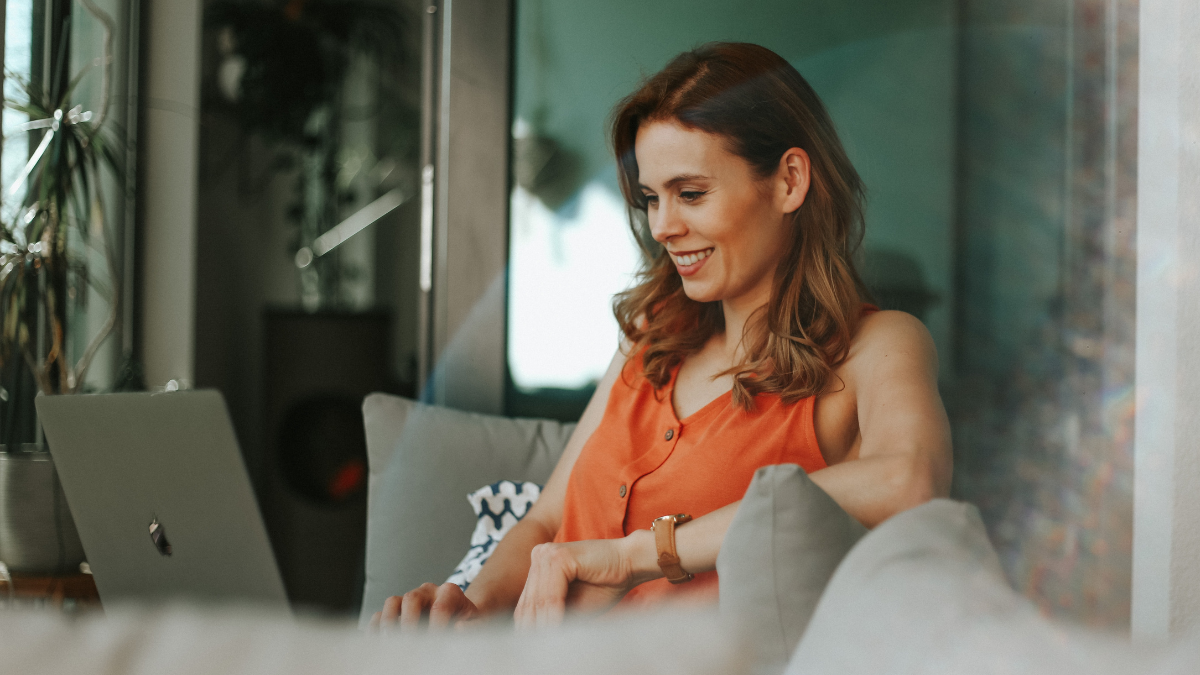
(690, 195)
(651, 200)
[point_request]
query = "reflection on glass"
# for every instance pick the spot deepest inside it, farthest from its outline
(18, 52)
(567, 264)
(317, 84)
(86, 45)
(886, 73)
(1043, 404)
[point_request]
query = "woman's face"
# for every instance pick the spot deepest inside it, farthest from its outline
(724, 228)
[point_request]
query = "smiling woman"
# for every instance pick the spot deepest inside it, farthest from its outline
(746, 344)
(694, 113)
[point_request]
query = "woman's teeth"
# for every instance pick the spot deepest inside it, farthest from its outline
(693, 258)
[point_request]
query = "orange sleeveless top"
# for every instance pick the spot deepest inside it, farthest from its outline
(643, 462)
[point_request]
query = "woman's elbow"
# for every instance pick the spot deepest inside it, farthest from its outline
(921, 480)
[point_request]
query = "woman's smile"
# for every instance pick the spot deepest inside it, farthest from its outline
(690, 262)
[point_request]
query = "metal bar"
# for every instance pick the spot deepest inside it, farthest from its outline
(128, 243)
(358, 221)
(439, 295)
(429, 66)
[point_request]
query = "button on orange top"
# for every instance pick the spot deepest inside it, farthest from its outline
(702, 470)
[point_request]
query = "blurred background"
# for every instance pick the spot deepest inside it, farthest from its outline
(416, 197)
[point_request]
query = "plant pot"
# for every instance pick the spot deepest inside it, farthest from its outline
(37, 533)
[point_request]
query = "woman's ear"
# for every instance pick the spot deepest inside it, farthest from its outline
(794, 178)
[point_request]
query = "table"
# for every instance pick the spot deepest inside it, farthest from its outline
(67, 592)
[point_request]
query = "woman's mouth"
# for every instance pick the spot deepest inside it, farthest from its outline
(690, 262)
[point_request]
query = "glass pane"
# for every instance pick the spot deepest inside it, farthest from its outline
(72, 297)
(996, 143)
(885, 70)
(18, 53)
(307, 258)
(1043, 399)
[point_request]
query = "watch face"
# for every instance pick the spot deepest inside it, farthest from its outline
(676, 518)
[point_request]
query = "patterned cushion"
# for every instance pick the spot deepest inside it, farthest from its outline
(498, 506)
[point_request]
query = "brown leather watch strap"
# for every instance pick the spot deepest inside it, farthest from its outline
(664, 541)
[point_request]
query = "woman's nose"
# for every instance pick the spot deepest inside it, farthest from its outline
(666, 223)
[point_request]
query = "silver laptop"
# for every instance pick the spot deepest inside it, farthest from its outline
(161, 497)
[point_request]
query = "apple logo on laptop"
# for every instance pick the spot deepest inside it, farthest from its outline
(158, 535)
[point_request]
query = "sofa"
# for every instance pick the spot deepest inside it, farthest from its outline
(802, 590)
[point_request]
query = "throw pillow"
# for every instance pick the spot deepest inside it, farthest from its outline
(924, 594)
(907, 590)
(781, 549)
(498, 507)
(423, 459)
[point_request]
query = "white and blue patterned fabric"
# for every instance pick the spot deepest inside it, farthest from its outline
(498, 506)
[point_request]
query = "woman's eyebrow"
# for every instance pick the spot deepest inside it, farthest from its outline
(685, 178)
(681, 178)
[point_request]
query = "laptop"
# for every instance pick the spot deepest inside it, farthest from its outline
(161, 498)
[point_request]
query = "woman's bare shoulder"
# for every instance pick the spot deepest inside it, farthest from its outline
(893, 338)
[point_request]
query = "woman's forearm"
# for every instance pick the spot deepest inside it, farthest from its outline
(871, 490)
(499, 583)
(697, 543)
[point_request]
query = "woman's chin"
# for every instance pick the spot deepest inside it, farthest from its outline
(699, 292)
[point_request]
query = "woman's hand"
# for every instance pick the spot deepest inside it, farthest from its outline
(442, 604)
(587, 576)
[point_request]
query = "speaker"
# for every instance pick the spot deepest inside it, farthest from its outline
(317, 369)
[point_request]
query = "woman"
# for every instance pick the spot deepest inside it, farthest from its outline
(746, 343)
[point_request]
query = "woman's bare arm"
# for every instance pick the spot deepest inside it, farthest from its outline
(500, 581)
(904, 458)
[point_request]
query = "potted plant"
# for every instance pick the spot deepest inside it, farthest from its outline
(56, 256)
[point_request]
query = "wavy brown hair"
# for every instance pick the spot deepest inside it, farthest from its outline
(762, 107)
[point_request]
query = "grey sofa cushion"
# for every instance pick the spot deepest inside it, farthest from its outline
(924, 593)
(908, 583)
(424, 461)
(781, 549)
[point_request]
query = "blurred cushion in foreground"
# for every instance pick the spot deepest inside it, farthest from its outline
(229, 641)
(924, 593)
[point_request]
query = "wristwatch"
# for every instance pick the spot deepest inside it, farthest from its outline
(664, 541)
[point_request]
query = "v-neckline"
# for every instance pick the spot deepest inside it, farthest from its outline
(701, 410)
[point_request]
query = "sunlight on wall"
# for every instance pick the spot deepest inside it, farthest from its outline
(565, 267)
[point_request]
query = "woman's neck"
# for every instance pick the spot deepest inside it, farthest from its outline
(739, 311)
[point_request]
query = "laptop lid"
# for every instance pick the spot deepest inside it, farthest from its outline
(161, 498)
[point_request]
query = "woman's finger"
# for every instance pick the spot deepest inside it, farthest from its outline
(449, 603)
(550, 613)
(523, 616)
(414, 604)
(391, 610)
(543, 599)
(520, 613)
